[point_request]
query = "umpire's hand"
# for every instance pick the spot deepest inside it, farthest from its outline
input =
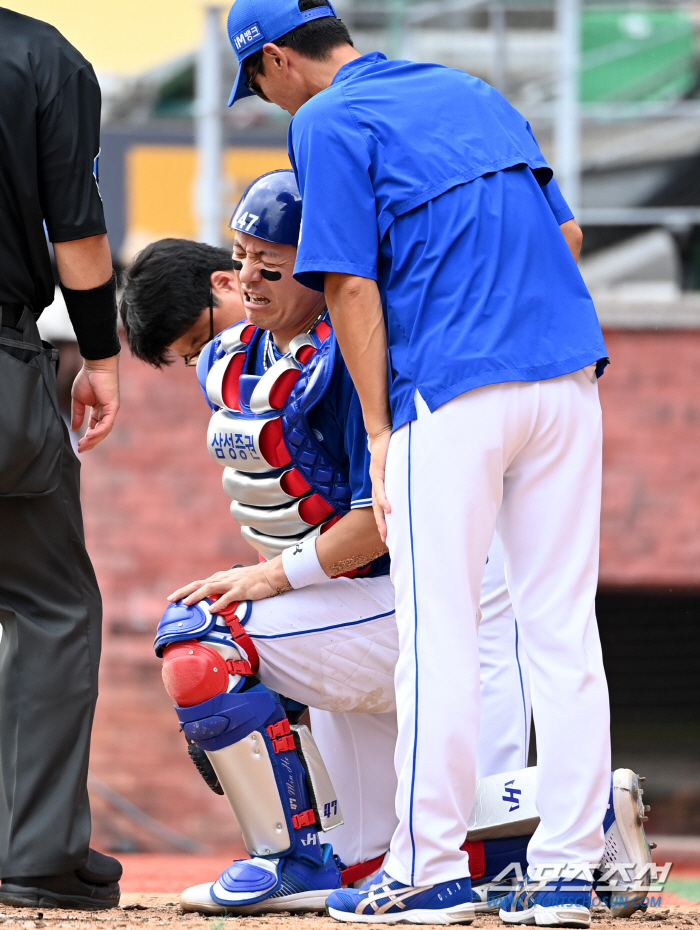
(86, 265)
(97, 387)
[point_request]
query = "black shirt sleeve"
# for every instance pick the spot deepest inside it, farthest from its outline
(68, 142)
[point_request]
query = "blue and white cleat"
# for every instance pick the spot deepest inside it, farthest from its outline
(561, 903)
(259, 886)
(488, 897)
(386, 901)
(626, 846)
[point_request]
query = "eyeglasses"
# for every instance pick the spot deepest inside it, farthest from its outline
(250, 82)
(191, 360)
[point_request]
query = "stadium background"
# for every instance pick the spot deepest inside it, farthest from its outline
(155, 514)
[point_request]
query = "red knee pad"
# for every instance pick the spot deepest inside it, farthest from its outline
(193, 672)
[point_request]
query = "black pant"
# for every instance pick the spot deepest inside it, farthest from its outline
(51, 617)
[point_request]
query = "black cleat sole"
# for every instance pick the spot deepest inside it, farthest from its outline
(18, 896)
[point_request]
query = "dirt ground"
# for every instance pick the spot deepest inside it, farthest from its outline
(146, 911)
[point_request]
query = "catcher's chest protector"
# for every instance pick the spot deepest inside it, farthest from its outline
(282, 483)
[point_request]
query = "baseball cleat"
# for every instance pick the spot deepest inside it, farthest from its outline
(625, 842)
(487, 898)
(564, 903)
(386, 901)
(260, 886)
(198, 899)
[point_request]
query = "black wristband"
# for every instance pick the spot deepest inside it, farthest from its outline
(93, 314)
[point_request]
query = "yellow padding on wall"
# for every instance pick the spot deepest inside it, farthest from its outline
(160, 190)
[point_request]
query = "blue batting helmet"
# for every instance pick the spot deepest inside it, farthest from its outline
(270, 209)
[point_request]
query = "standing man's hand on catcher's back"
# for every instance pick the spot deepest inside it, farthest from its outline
(97, 387)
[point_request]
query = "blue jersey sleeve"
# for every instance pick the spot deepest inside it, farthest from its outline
(553, 196)
(557, 204)
(339, 217)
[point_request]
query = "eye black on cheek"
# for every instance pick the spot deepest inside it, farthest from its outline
(237, 266)
(270, 275)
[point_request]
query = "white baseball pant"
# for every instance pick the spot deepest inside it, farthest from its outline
(334, 647)
(504, 736)
(523, 458)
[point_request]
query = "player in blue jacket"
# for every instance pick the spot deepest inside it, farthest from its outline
(286, 428)
(432, 222)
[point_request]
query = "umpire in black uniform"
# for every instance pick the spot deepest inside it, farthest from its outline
(50, 609)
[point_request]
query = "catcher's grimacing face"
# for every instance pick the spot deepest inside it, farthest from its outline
(272, 298)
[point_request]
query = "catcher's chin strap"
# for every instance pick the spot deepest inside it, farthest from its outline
(239, 635)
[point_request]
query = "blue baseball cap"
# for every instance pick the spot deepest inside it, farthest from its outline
(252, 23)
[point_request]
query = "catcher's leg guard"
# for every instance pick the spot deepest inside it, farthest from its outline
(505, 805)
(250, 744)
(262, 767)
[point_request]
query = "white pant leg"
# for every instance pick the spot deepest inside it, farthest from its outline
(504, 736)
(317, 646)
(358, 750)
(444, 505)
(308, 642)
(445, 482)
(550, 525)
(332, 646)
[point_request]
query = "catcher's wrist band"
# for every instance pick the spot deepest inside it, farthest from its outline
(93, 314)
(301, 564)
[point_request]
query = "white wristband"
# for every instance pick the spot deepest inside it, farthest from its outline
(301, 564)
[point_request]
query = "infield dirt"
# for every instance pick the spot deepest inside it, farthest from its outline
(148, 911)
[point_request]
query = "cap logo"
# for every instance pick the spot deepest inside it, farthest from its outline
(247, 36)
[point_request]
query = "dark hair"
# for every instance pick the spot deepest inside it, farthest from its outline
(165, 290)
(315, 39)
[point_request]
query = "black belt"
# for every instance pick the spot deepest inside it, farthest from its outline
(11, 314)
